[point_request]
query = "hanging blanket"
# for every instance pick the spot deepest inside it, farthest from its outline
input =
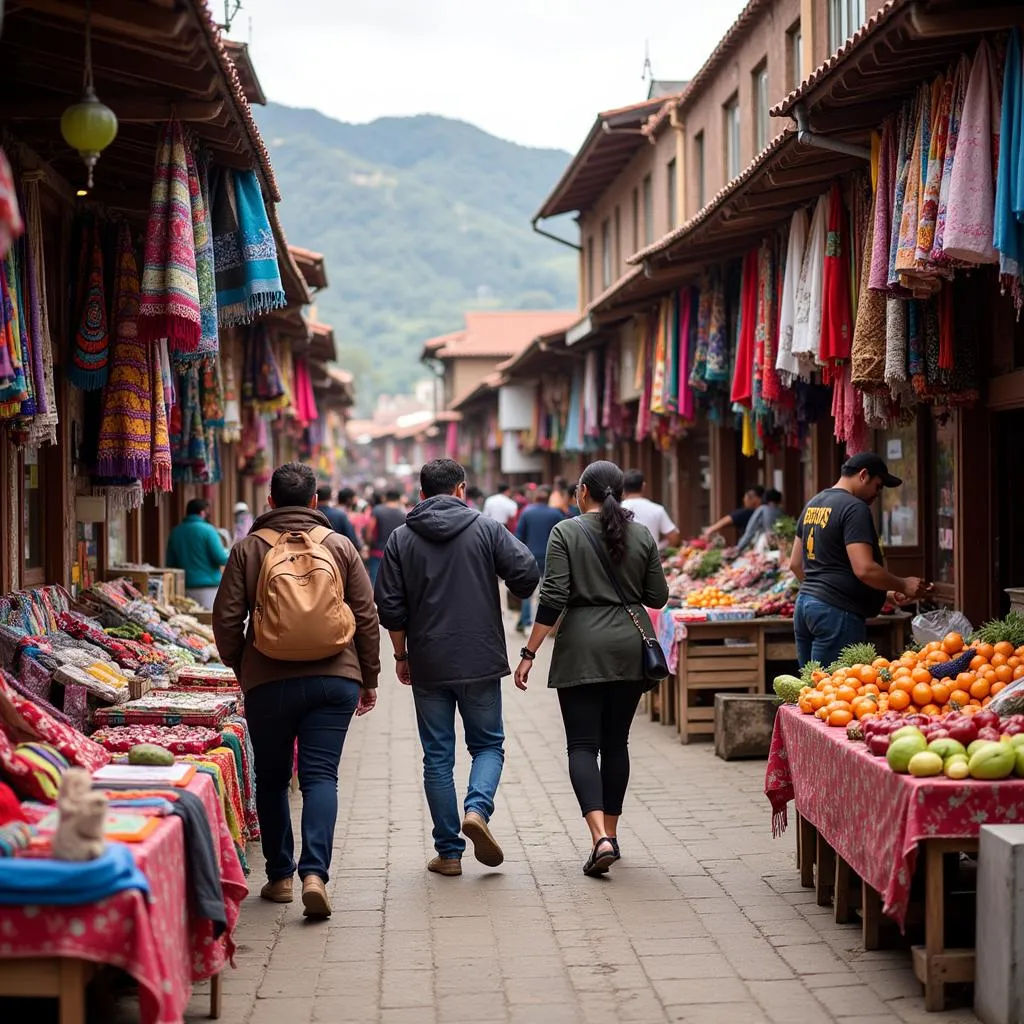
(125, 446)
(245, 253)
(836, 315)
(160, 450)
(202, 230)
(787, 365)
(262, 386)
(742, 392)
(937, 257)
(807, 325)
(170, 305)
(88, 367)
(867, 352)
(884, 199)
(1008, 236)
(304, 401)
(44, 427)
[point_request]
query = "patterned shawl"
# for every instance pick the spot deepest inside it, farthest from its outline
(262, 385)
(88, 366)
(170, 306)
(125, 446)
(160, 450)
(44, 427)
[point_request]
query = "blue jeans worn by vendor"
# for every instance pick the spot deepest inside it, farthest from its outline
(309, 701)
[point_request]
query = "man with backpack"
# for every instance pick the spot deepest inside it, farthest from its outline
(437, 594)
(308, 660)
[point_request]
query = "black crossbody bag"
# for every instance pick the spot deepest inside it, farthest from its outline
(655, 667)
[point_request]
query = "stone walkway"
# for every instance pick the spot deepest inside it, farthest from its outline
(703, 921)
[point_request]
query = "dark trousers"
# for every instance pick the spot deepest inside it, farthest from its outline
(317, 711)
(822, 631)
(597, 719)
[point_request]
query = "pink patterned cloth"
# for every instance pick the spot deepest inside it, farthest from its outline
(158, 943)
(881, 817)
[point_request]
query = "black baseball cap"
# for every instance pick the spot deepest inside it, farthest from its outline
(874, 464)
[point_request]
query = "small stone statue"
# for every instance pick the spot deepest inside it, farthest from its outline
(83, 812)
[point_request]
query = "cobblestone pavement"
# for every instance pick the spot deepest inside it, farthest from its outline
(703, 920)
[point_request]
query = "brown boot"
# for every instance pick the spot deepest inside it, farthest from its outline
(486, 849)
(278, 892)
(314, 897)
(450, 866)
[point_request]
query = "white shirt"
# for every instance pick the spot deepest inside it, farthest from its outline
(500, 507)
(652, 515)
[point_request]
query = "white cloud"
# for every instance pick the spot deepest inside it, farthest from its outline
(534, 71)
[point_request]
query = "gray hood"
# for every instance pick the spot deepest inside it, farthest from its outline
(441, 518)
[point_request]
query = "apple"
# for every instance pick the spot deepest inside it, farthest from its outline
(986, 719)
(989, 733)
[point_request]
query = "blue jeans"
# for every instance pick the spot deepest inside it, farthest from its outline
(317, 711)
(373, 567)
(479, 705)
(823, 630)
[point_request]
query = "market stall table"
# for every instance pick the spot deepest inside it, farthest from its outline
(53, 951)
(881, 820)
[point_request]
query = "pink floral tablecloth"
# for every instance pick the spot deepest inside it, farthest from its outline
(872, 817)
(157, 942)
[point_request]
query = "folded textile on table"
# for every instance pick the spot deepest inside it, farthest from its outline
(102, 688)
(202, 862)
(15, 836)
(178, 739)
(68, 883)
(170, 707)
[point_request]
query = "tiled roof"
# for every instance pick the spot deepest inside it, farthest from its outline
(433, 348)
(311, 264)
(497, 335)
(239, 54)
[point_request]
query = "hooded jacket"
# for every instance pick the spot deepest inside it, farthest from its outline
(237, 597)
(438, 581)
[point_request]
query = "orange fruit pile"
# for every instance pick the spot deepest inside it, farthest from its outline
(906, 683)
(709, 597)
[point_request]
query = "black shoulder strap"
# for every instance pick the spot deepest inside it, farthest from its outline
(603, 558)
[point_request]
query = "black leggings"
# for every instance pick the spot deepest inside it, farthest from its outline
(597, 717)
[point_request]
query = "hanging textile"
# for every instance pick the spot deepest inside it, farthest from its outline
(43, 429)
(17, 396)
(245, 253)
(896, 350)
(262, 385)
(848, 413)
(125, 444)
(868, 349)
(699, 366)
(917, 171)
(768, 324)
(170, 306)
(659, 343)
(189, 453)
(884, 199)
(969, 219)
(742, 392)
(717, 366)
(942, 91)
(787, 365)
(202, 232)
(304, 401)
(905, 138)
(1009, 203)
(836, 315)
(160, 478)
(687, 339)
(591, 417)
(809, 295)
(574, 424)
(961, 80)
(88, 366)
(11, 223)
(232, 430)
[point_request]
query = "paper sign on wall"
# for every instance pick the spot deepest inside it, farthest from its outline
(894, 449)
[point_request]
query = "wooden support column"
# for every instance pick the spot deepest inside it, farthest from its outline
(723, 450)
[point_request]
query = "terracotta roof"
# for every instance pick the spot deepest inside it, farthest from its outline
(487, 386)
(239, 54)
(433, 348)
(732, 38)
(311, 264)
(612, 142)
(322, 341)
(496, 335)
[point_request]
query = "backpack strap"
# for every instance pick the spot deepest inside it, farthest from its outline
(270, 537)
(320, 533)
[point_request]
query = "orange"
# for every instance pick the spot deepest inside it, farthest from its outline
(1020, 651)
(864, 710)
(906, 684)
(1014, 661)
(978, 662)
(921, 694)
(965, 679)
(931, 709)
(839, 717)
(980, 688)
(921, 675)
(988, 700)
(952, 643)
(996, 688)
(816, 701)
(880, 663)
(985, 651)
(961, 697)
(908, 660)
(1018, 672)
(899, 700)
(998, 659)
(872, 688)
(937, 657)
(1005, 648)
(805, 706)
(1004, 674)
(847, 693)
(868, 674)
(933, 645)
(940, 692)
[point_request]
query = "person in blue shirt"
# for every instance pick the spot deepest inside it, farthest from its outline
(534, 528)
(336, 516)
(195, 546)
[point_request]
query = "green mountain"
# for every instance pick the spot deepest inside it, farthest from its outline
(420, 218)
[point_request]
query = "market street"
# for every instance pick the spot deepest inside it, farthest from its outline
(703, 921)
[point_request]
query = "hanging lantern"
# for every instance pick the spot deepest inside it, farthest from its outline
(88, 126)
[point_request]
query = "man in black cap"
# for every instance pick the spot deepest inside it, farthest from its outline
(838, 560)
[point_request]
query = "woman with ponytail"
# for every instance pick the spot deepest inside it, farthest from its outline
(597, 662)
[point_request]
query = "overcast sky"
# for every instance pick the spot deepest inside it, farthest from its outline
(533, 71)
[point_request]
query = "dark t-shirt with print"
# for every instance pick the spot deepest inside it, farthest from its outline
(386, 519)
(831, 520)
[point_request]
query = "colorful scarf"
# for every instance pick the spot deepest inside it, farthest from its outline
(769, 385)
(809, 292)
(262, 386)
(687, 334)
(961, 79)
(44, 426)
(11, 225)
(868, 350)
(160, 477)
(884, 199)
(742, 379)
(189, 453)
(1009, 202)
(699, 363)
(170, 306)
(125, 445)
(786, 364)
(304, 401)
(15, 395)
(89, 358)
(245, 253)
(836, 312)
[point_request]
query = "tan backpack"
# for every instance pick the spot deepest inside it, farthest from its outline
(300, 613)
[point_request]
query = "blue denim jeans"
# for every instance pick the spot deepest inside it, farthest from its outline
(315, 710)
(373, 567)
(823, 630)
(479, 704)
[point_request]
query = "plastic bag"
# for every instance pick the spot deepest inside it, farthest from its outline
(1009, 701)
(929, 626)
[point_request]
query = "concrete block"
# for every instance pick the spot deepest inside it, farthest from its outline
(999, 971)
(743, 724)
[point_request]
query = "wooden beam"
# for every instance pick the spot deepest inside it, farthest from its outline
(137, 20)
(963, 23)
(135, 110)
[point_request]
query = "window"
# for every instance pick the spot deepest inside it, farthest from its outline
(618, 240)
(761, 105)
(795, 55)
(900, 506)
(636, 220)
(648, 212)
(698, 159)
(606, 254)
(591, 281)
(732, 138)
(673, 205)
(844, 18)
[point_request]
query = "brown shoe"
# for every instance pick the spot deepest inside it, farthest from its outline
(314, 897)
(278, 892)
(450, 866)
(486, 849)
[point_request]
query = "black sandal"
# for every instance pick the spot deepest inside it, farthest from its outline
(615, 847)
(600, 860)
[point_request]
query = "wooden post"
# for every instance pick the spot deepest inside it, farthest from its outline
(808, 839)
(825, 872)
(871, 916)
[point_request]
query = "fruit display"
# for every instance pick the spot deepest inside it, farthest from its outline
(709, 597)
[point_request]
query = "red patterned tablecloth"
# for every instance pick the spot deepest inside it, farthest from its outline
(158, 943)
(872, 817)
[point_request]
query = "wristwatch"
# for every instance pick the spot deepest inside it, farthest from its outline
(527, 654)
(402, 657)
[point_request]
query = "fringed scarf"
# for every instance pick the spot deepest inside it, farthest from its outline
(836, 307)
(189, 453)
(160, 478)
(43, 429)
(125, 445)
(262, 385)
(170, 306)
(232, 430)
(245, 253)
(89, 357)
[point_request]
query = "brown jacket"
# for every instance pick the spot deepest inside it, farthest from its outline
(237, 597)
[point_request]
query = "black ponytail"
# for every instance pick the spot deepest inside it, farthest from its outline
(604, 482)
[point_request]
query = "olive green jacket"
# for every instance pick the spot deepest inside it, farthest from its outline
(596, 640)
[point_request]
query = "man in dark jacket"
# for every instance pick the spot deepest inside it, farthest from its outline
(437, 594)
(337, 516)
